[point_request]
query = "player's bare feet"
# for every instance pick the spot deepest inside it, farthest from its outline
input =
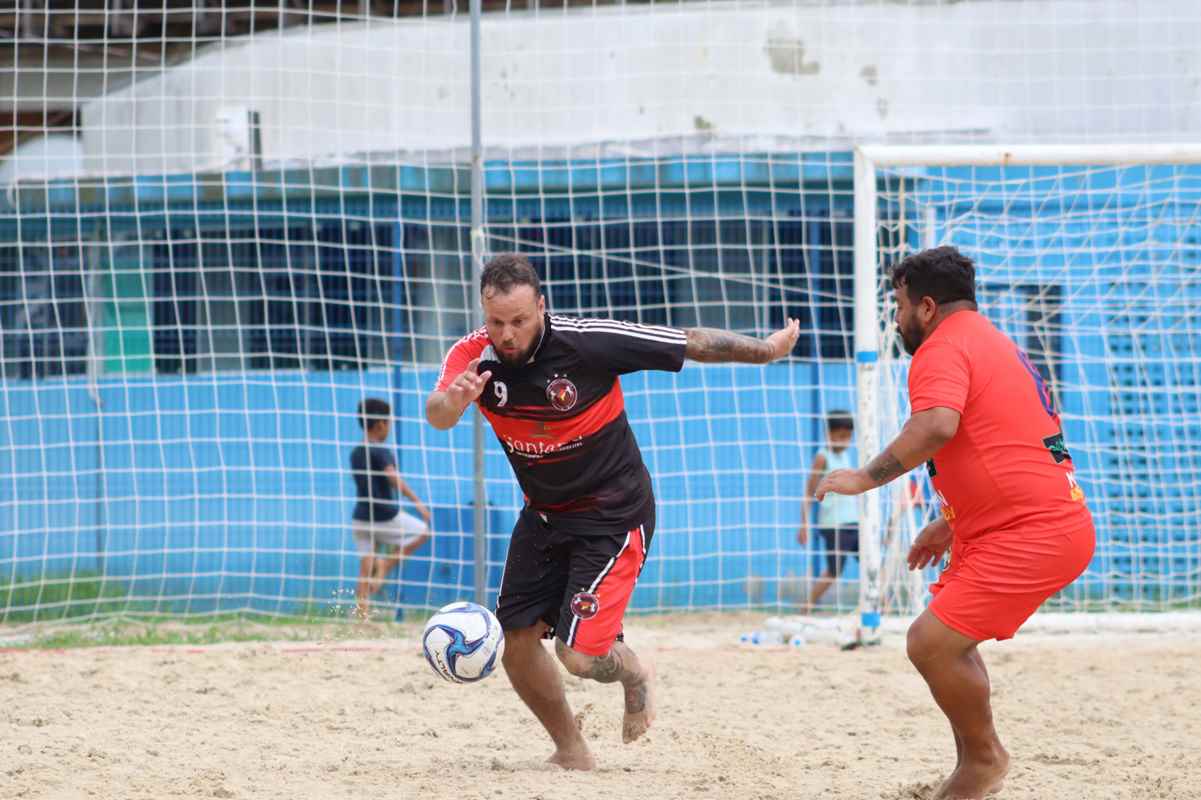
(640, 706)
(573, 759)
(941, 791)
(976, 779)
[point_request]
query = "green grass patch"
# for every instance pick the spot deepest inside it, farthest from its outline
(58, 598)
(89, 610)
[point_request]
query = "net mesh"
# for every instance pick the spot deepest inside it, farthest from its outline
(1093, 271)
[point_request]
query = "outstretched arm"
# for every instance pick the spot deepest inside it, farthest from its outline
(715, 346)
(923, 435)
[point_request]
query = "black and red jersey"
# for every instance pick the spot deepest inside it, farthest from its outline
(561, 418)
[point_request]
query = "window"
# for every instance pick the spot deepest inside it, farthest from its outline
(316, 296)
(43, 311)
(744, 269)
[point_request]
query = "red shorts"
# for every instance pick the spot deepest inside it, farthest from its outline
(996, 580)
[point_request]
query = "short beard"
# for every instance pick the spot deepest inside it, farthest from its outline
(515, 363)
(911, 342)
(524, 357)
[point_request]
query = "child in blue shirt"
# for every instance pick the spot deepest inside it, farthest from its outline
(377, 516)
(837, 515)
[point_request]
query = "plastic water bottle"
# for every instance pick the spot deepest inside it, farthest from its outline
(761, 637)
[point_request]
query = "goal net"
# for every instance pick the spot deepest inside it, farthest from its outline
(1087, 258)
(222, 226)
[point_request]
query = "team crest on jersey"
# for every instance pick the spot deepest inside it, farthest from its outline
(585, 605)
(562, 394)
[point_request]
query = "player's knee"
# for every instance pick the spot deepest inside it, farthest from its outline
(913, 646)
(520, 641)
(920, 645)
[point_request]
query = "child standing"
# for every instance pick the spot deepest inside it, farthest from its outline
(837, 515)
(377, 516)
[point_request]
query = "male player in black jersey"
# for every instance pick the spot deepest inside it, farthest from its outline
(549, 387)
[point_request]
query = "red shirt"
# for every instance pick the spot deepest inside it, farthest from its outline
(1007, 467)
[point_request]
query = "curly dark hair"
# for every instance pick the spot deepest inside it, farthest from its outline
(941, 273)
(507, 271)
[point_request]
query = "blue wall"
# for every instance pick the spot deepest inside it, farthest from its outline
(230, 490)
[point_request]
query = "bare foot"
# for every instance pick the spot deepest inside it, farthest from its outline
(573, 759)
(941, 791)
(640, 706)
(975, 779)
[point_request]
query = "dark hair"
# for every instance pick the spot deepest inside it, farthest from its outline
(373, 410)
(941, 273)
(507, 271)
(839, 421)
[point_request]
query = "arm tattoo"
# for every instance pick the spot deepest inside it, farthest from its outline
(885, 468)
(714, 346)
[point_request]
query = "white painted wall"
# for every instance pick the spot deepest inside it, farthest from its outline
(53, 156)
(687, 77)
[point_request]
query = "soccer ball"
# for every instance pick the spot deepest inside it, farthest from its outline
(463, 642)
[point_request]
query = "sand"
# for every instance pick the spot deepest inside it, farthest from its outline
(1085, 716)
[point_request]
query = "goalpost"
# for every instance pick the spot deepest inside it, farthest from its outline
(1088, 257)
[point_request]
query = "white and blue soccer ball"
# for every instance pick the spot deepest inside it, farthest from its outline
(463, 642)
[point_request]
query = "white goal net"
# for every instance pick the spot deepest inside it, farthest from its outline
(224, 225)
(1088, 259)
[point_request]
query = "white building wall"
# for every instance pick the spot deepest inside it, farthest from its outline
(687, 77)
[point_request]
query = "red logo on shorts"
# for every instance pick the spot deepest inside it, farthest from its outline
(585, 605)
(562, 394)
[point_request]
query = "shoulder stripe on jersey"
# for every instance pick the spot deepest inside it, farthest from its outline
(592, 322)
(467, 338)
(633, 331)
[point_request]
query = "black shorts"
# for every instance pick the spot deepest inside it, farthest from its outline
(579, 585)
(840, 542)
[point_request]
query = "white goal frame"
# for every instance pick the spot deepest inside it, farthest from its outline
(867, 345)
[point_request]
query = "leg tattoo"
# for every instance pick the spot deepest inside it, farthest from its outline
(602, 669)
(636, 697)
(607, 669)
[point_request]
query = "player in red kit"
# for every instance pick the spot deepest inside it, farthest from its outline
(1013, 516)
(550, 388)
